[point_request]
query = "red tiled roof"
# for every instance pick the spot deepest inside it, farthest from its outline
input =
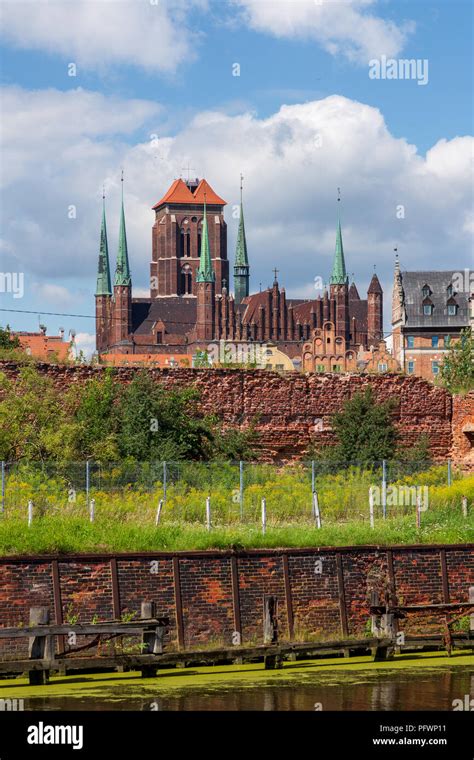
(179, 192)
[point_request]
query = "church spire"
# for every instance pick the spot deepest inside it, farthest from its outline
(205, 272)
(241, 262)
(339, 276)
(122, 271)
(103, 270)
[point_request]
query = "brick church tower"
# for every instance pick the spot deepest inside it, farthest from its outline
(339, 288)
(103, 291)
(178, 235)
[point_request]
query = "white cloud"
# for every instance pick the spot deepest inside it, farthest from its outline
(84, 342)
(342, 27)
(292, 162)
(97, 33)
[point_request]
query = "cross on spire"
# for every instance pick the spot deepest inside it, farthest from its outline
(275, 272)
(186, 169)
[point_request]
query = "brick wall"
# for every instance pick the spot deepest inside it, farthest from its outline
(322, 593)
(288, 404)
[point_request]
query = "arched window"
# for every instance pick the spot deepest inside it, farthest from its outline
(181, 244)
(199, 241)
(188, 244)
(186, 281)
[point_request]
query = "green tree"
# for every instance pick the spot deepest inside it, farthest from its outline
(94, 408)
(7, 340)
(457, 369)
(364, 430)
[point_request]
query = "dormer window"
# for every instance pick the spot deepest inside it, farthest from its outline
(427, 309)
(452, 309)
(449, 291)
(426, 291)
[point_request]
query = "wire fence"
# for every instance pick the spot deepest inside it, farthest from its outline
(223, 493)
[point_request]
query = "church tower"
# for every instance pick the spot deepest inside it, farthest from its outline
(339, 288)
(122, 306)
(241, 263)
(103, 291)
(374, 312)
(205, 288)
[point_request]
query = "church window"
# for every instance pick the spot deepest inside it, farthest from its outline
(194, 219)
(181, 244)
(199, 242)
(159, 337)
(186, 281)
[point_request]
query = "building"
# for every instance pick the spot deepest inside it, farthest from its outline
(429, 311)
(45, 347)
(190, 306)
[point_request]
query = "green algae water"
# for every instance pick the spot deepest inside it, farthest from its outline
(410, 682)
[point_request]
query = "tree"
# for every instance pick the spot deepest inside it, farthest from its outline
(7, 340)
(364, 430)
(457, 369)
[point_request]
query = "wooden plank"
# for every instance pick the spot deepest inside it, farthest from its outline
(288, 597)
(58, 607)
(342, 596)
(83, 628)
(234, 574)
(178, 602)
(444, 575)
(115, 588)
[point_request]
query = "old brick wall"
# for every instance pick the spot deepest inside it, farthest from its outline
(287, 408)
(321, 593)
(463, 431)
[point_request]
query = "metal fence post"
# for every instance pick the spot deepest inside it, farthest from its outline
(449, 473)
(264, 515)
(384, 489)
(2, 506)
(241, 489)
(165, 474)
(87, 481)
(313, 476)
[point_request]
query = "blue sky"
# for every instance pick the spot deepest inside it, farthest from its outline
(168, 85)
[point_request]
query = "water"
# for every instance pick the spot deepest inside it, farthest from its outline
(292, 689)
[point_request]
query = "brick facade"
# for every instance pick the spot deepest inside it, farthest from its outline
(211, 595)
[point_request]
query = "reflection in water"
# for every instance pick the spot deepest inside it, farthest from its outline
(387, 690)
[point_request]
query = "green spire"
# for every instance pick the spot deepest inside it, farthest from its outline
(205, 272)
(241, 263)
(103, 271)
(122, 270)
(339, 276)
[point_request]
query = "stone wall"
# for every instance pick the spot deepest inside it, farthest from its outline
(209, 596)
(292, 411)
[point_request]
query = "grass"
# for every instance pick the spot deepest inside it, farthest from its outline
(61, 534)
(125, 515)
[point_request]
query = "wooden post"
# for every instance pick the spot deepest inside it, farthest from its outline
(30, 513)
(464, 506)
(158, 512)
(371, 507)
(208, 513)
(39, 647)
(152, 639)
(270, 630)
(92, 510)
(264, 515)
(418, 511)
(316, 512)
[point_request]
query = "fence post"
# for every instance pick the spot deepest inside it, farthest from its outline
(208, 513)
(2, 507)
(30, 513)
(264, 515)
(241, 489)
(418, 511)
(158, 512)
(464, 506)
(87, 481)
(165, 474)
(313, 476)
(384, 489)
(371, 507)
(92, 510)
(39, 647)
(316, 512)
(449, 473)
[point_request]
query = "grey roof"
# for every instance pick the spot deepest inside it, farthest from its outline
(438, 282)
(177, 312)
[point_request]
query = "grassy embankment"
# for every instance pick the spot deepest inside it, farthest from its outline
(125, 517)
